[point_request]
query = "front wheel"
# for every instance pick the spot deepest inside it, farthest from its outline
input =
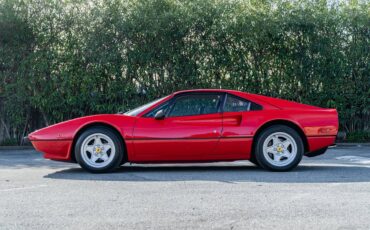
(279, 148)
(99, 150)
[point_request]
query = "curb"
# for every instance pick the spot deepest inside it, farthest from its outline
(16, 148)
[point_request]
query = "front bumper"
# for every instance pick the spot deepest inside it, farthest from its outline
(54, 149)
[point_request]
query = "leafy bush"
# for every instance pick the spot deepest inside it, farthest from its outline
(64, 59)
(9, 142)
(359, 136)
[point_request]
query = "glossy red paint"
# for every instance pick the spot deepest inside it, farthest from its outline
(222, 136)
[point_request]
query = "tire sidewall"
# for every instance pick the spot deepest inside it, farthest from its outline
(259, 148)
(117, 159)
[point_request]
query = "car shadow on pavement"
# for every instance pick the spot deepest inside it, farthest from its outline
(227, 174)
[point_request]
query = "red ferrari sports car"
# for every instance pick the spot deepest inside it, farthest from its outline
(204, 125)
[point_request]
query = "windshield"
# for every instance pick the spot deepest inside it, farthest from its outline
(140, 109)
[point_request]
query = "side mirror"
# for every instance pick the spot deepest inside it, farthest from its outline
(159, 115)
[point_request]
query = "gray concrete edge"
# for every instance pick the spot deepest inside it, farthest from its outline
(16, 147)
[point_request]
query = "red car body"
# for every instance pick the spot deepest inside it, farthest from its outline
(223, 136)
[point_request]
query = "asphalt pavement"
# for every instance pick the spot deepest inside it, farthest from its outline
(331, 191)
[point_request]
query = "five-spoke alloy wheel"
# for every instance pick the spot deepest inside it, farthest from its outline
(98, 149)
(279, 148)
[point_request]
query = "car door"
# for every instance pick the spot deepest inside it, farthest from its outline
(189, 132)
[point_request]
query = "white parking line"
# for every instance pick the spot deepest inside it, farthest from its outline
(355, 159)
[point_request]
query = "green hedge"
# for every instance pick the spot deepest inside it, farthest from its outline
(64, 59)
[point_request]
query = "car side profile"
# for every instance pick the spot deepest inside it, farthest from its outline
(206, 125)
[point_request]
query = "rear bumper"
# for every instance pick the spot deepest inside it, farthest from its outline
(54, 149)
(316, 143)
(319, 145)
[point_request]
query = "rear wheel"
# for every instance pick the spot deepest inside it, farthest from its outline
(279, 148)
(99, 150)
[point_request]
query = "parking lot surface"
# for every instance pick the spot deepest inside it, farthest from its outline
(331, 191)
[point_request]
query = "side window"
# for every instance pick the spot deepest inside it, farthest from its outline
(234, 104)
(195, 105)
(163, 106)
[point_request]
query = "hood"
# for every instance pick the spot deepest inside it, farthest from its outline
(66, 130)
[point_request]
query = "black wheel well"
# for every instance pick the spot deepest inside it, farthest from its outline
(97, 124)
(281, 122)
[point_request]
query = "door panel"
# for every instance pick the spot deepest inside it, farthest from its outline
(177, 138)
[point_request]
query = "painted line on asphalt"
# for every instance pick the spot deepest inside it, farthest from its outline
(355, 159)
(23, 188)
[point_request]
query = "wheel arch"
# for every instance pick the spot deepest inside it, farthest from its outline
(288, 123)
(97, 124)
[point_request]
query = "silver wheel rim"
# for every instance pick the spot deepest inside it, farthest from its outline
(280, 149)
(98, 150)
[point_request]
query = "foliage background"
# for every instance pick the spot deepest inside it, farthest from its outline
(64, 59)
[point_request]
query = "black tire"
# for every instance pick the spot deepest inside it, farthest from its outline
(254, 160)
(260, 156)
(118, 145)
